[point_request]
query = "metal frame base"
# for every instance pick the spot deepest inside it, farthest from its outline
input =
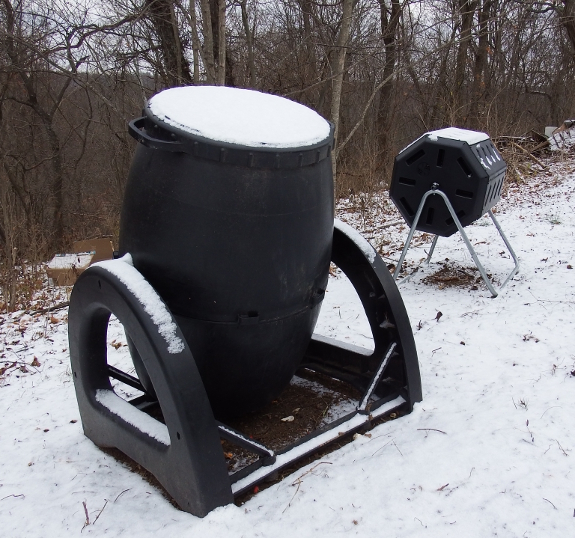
(489, 284)
(185, 453)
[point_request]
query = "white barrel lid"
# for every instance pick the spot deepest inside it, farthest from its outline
(238, 116)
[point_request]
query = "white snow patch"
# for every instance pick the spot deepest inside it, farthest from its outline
(357, 238)
(239, 116)
(66, 261)
(126, 411)
(454, 133)
(124, 269)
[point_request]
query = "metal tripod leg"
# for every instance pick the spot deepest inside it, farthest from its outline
(411, 232)
(455, 218)
(433, 243)
(511, 251)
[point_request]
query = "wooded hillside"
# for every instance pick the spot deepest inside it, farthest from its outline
(73, 74)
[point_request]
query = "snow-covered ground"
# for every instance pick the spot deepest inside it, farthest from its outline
(489, 451)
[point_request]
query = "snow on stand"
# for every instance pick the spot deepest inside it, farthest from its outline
(124, 269)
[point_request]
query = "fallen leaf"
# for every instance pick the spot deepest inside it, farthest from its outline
(288, 419)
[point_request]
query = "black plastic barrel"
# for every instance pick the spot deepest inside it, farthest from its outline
(237, 241)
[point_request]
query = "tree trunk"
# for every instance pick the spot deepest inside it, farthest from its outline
(176, 66)
(568, 20)
(389, 21)
(209, 51)
(250, 44)
(221, 71)
(478, 94)
(342, 41)
(467, 11)
(196, 45)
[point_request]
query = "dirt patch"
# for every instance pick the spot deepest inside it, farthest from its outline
(453, 276)
(309, 402)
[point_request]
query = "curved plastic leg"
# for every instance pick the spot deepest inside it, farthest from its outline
(185, 454)
(390, 366)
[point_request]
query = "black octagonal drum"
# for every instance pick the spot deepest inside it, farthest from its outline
(463, 164)
(228, 213)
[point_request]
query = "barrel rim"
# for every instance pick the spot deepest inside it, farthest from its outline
(238, 154)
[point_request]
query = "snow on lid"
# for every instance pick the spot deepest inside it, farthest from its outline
(124, 269)
(357, 238)
(67, 261)
(140, 420)
(239, 116)
(454, 133)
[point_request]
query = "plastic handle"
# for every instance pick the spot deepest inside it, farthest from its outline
(135, 130)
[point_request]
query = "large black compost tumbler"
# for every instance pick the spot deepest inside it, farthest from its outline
(226, 238)
(446, 180)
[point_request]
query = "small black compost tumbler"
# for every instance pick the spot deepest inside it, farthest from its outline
(446, 180)
(463, 164)
(226, 238)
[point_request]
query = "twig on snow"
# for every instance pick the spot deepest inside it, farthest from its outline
(430, 430)
(100, 512)
(87, 522)
(20, 495)
(122, 493)
(299, 481)
(559, 444)
(381, 448)
(548, 410)
(550, 503)
(424, 526)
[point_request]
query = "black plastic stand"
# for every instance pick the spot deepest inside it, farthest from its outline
(185, 454)
(388, 320)
(191, 466)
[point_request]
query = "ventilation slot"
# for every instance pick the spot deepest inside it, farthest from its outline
(460, 214)
(407, 207)
(407, 181)
(440, 157)
(464, 166)
(429, 219)
(415, 157)
(490, 193)
(464, 194)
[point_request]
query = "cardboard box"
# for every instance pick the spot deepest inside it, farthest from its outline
(103, 249)
(64, 269)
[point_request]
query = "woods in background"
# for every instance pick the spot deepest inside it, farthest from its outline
(383, 71)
